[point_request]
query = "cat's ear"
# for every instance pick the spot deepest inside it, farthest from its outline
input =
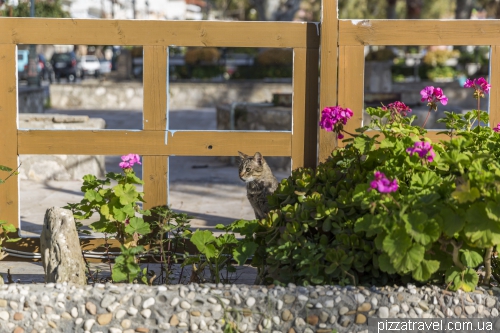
(258, 158)
(242, 155)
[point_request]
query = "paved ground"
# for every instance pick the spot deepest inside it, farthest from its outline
(203, 187)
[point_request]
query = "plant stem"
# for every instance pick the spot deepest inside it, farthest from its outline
(454, 254)
(12, 173)
(487, 265)
(426, 118)
(478, 111)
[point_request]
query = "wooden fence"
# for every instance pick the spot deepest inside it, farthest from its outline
(341, 83)
(154, 142)
(342, 57)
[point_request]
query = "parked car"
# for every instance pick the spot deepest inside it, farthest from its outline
(64, 65)
(105, 66)
(22, 62)
(89, 65)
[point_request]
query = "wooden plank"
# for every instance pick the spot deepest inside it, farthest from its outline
(181, 143)
(150, 32)
(495, 84)
(155, 88)
(418, 32)
(328, 72)
(351, 87)
(9, 193)
(155, 176)
(155, 168)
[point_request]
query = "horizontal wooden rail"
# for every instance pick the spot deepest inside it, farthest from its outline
(180, 143)
(137, 32)
(419, 32)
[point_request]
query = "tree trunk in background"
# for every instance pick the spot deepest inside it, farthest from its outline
(464, 9)
(413, 9)
(391, 9)
(276, 10)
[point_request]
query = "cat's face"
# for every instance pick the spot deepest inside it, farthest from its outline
(250, 167)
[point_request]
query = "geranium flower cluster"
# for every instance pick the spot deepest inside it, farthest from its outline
(382, 184)
(397, 107)
(333, 118)
(129, 160)
(433, 96)
(480, 85)
(497, 128)
(423, 149)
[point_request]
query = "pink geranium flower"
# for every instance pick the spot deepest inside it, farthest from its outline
(397, 108)
(129, 160)
(432, 96)
(480, 85)
(497, 128)
(333, 118)
(423, 149)
(382, 184)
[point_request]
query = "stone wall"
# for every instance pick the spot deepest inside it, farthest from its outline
(32, 99)
(133, 308)
(60, 167)
(129, 95)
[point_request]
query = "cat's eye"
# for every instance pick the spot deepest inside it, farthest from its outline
(248, 169)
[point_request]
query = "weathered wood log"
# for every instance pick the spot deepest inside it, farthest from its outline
(60, 247)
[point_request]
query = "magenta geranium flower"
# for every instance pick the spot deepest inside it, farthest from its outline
(129, 161)
(423, 149)
(432, 96)
(497, 128)
(480, 85)
(397, 108)
(382, 184)
(333, 118)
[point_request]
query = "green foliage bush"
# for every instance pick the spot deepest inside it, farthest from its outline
(330, 226)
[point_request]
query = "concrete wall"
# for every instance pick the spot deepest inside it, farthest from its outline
(60, 167)
(129, 95)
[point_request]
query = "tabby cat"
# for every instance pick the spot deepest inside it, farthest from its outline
(260, 182)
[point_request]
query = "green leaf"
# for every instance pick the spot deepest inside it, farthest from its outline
(480, 230)
(464, 193)
(127, 193)
(421, 228)
(397, 242)
(9, 228)
(202, 240)
(4, 168)
(424, 271)
(425, 179)
(244, 251)
(410, 260)
(470, 258)
(138, 225)
(363, 143)
(385, 264)
(452, 222)
(92, 195)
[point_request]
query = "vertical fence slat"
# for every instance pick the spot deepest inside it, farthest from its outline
(155, 168)
(155, 88)
(305, 107)
(351, 87)
(155, 176)
(328, 71)
(9, 191)
(495, 85)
